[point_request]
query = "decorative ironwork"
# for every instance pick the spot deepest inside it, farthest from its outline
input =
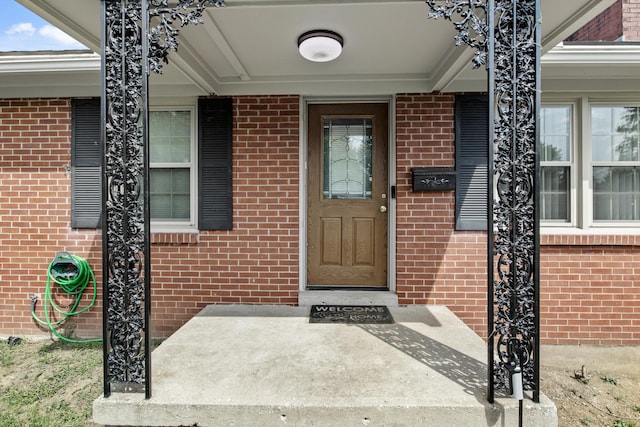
(164, 36)
(515, 74)
(506, 38)
(129, 51)
(125, 248)
(469, 18)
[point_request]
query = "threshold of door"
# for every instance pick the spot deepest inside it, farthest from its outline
(310, 297)
(347, 288)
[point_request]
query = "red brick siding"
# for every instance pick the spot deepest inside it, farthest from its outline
(588, 289)
(607, 26)
(257, 261)
(435, 265)
(34, 207)
(631, 20)
(622, 19)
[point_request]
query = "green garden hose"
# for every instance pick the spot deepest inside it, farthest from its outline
(73, 274)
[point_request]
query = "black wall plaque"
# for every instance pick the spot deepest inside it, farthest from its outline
(433, 179)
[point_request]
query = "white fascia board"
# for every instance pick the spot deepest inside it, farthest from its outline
(48, 63)
(613, 54)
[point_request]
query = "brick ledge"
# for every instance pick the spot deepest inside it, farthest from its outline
(589, 240)
(175, 238)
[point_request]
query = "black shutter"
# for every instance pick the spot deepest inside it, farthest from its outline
(472, 145)
(86, 163)
(215, 207)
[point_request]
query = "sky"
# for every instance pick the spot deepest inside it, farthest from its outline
(22, 30)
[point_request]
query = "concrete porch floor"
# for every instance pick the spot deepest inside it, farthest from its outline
(268, 366)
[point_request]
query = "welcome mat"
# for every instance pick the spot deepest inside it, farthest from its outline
(350, 314)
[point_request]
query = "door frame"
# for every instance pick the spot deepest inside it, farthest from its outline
(303, 179)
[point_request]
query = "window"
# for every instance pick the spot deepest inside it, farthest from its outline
(605, 191)
(173, 150)
(589, 163)
(172, 171)
(347, 158)
(556, 163)
(615, 131)
(609, 190)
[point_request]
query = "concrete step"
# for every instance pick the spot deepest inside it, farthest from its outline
(268, 366)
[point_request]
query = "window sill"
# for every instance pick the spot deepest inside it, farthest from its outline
(175, 238)
(592, 237)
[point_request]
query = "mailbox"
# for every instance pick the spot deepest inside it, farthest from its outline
(433, 179)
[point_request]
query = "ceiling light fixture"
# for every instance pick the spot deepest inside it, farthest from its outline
(320, 45)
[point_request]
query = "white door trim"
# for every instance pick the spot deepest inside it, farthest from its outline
(303, 152)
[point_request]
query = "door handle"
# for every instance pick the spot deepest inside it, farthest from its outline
(383, 209)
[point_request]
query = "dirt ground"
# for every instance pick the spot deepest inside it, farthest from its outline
(605, 393)
(55, 384)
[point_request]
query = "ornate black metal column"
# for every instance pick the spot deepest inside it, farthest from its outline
(516, 80)
(506, 36)
(125, 237)
(130, 50)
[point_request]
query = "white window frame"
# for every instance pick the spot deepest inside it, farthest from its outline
(191, 224)
(571, 163)
(589, 155)
(582, 221)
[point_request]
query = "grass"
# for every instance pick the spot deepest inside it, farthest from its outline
(622, 423)
(610, 379)
(49, 384)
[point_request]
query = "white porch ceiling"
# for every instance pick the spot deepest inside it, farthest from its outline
(250, 46)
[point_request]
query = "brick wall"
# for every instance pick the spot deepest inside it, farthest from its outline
(631, 20)
(257, 261)
(587, 283)
(607, 26)
(34, 208)
(622, 19)
(589, 289)
(434, 264)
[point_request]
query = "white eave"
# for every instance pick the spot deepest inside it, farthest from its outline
(71, 74)
(566, 54)
(587, 68)
(598, 67)
(50, 74)
(49, 62)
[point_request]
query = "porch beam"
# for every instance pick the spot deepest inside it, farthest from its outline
(192, 65)
(274, 3)
(450, 67)
(219, 40)
(60, 20)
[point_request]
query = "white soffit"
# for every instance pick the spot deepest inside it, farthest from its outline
(249, 47)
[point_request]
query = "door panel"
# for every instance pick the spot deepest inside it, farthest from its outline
(363, 239)
(331, 241)
(348, 185)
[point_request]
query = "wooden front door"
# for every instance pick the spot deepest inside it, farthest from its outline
(348, 195)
